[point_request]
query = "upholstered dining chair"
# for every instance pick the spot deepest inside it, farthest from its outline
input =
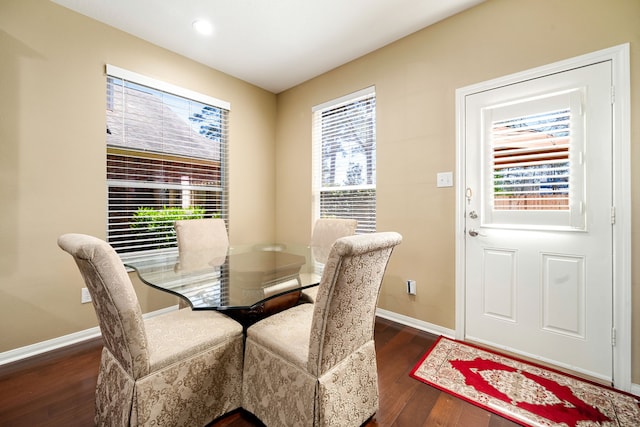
(325, 232)
(183, 368)
(203, 234)
(200, 241)
(315, 364)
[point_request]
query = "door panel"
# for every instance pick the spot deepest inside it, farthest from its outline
(563, 295)
(499, 286)
(538, 218)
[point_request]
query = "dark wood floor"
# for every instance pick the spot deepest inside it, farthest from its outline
(57, 389)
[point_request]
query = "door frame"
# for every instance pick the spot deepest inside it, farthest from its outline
(622, 304)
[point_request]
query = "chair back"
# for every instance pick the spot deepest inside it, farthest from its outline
(344, 311)
(326, 231)
(202, 242)
(114, 300)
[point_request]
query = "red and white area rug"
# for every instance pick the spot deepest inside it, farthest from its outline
(525, 393)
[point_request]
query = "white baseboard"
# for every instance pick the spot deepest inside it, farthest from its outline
(415, 323)
(63, 341)
(48, 345)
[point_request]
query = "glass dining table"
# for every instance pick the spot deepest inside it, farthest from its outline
(247, 284)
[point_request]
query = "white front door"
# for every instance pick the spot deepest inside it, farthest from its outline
(538, 218)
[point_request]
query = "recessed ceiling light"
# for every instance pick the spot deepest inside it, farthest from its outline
(203, 27)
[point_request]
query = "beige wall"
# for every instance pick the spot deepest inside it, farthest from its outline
(52, 157)
(415, 81)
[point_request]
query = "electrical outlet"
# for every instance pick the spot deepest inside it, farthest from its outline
(85, 297)
(411, 287)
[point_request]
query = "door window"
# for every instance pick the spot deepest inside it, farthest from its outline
(533, 162)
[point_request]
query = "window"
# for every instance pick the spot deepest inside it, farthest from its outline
(531, 161)
(166, 160)
(534, 169)
(344, 159)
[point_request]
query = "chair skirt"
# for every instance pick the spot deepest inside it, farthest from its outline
(180, 394)
(281, 393)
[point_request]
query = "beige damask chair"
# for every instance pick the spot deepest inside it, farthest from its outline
(325, 232)
(202, 242)
(183, 368)
(315, 364)
(199, 235)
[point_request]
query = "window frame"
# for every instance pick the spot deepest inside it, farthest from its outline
(367, 209)
(572, 217)
(202, 174)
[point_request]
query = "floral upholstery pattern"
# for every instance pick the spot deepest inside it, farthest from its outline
(117, 308)
(196, 237)
(325, 232)
(192, 392)
(202, 242)
(115, 387)
(183, 368)
(315, 365)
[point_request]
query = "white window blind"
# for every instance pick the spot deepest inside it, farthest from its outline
(531, 161)
(344, 159)
(166, 160)
(534, 173)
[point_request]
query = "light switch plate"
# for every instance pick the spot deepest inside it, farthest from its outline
(444, 179)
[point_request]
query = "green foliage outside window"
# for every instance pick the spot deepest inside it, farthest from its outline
(159, 222)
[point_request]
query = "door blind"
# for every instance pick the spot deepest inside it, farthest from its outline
(531, 166)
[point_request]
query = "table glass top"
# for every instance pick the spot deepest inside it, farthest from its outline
(221, 281)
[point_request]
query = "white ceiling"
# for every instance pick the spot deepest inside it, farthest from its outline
(274, 44)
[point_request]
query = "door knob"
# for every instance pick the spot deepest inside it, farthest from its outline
(474, 233)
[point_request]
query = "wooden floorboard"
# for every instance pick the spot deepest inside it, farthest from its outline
(57, 388)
